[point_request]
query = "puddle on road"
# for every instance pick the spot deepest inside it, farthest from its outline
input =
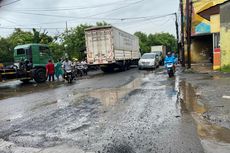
(205, 130)
(109, 97)
(17, 88)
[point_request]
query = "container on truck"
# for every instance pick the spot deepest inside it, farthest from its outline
(29, 64)
(160, 50)
(110, 48)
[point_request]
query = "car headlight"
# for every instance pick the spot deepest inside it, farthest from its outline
(152, 62)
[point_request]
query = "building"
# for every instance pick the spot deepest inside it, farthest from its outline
(202, 36)
(219, 18)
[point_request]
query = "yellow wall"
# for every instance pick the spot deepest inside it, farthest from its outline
(198, 6)
(225, 47)
(215, 23)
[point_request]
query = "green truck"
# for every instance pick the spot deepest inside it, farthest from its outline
(29, 63)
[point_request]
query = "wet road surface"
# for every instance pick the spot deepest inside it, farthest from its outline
(127, 112)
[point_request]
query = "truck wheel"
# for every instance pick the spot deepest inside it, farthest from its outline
(107, 69)
(40, 75)
(25, 80)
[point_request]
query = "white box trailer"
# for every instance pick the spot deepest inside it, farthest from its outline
(159, 48)
(110, 47)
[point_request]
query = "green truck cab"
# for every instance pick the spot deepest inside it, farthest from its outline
(29, 63)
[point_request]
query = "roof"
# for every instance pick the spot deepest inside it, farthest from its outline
(28, 45)
(98, 27)
(211, 10)
(107, 27)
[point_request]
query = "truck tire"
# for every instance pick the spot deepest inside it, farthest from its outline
(25, 80)
(40, 75)
(107, 69)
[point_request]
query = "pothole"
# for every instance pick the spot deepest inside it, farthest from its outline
(207, 131)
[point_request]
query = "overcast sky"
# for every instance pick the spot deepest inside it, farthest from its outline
(52, 14)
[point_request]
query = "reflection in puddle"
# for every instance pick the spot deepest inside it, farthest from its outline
(208, 132)
(109, 97)
(189, 99)
(17, 88)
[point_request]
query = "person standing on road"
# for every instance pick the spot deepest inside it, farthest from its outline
(58, 69)
(50, 70)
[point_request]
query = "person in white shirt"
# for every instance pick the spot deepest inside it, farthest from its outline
(67, 64)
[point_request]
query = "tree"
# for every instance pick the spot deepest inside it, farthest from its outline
(143, 39)
(74, 40)
(165, 39)
(6, 52)
(146, 41)
(19, 37)
(57, 50)
(103, 23)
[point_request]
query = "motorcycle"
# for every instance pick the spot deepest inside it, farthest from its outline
(170, 69)
(82, 69)
(68, 76)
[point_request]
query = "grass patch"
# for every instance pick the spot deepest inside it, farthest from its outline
(225, 68)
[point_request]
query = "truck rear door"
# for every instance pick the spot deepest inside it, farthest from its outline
(99, 46)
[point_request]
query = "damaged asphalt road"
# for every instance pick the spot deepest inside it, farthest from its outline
(128, 112)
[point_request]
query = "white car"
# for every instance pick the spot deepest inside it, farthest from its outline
(148, 60)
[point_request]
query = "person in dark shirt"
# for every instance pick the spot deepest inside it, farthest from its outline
(50, 70)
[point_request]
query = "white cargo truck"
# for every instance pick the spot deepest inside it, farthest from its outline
(111, 48)
(160, 51)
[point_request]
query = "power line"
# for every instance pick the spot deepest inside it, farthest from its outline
(10, 3)
(61, 16)
(137, 19)
(70, 8)
(7, 20)
(117, 8)
(117, 19)
(86, 17)
(28, 28)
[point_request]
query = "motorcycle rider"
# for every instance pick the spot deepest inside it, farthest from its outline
(170, 59)
(67, 64)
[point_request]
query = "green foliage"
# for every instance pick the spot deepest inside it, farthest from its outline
(165, 39)
(74, 41)
(226, 68)
(57, 50)
(103, 23)
(6, 53)
(19, 37)
(146, 41)
(143, 39)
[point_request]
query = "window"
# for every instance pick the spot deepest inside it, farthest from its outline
(21, 51)
(44, 50)
(216, 40)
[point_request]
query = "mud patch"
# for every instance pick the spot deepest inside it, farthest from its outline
(117, 148)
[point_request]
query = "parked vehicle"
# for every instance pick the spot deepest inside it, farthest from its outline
(160, 51)
(30, 61)
(148, 60)
(111, 48)
(170, 69)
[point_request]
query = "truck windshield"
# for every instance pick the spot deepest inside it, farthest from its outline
(21, 51)
(148, 56)
(158, 52)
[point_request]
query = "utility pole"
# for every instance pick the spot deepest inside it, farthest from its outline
(188, 25)
(177, 33)
(66, 27)
(182, 33)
